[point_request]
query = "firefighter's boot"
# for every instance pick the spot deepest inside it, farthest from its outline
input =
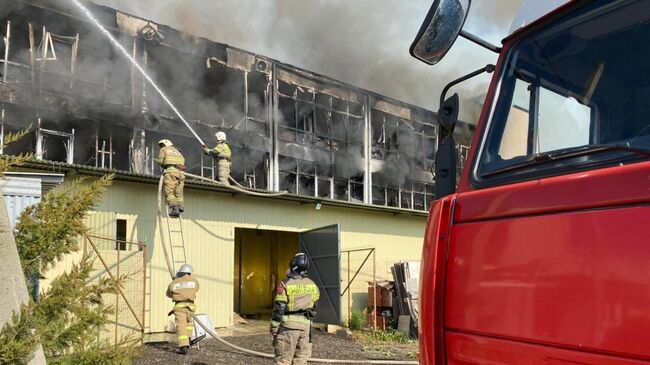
(184, 350)
(174, 212)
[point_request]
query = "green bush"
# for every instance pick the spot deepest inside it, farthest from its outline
(390, 335)
(357, 320)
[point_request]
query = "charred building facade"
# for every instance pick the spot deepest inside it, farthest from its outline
(289, 129)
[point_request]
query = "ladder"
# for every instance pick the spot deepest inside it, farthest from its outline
(174, 244)
(176, 237)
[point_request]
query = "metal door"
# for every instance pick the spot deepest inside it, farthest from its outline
(323, 248)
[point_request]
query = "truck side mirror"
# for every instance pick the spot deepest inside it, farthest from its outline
(439, 30)
(445, 174)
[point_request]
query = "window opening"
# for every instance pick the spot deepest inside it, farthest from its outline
(104, 152)
(120, 234)
(54, 145)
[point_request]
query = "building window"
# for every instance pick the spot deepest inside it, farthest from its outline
(319, 120)
(120, 235)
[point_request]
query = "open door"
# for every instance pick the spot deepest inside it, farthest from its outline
(323, 248)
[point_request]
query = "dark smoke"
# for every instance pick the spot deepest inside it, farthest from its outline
(359, 42)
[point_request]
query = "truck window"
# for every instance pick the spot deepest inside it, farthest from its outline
(563, 122)
(581, 84)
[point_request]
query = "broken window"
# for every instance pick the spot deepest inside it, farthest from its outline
(404, 146)
(54, 145)
(306, 178)
(112, 147)
(250, 167)
(57, 58)
(257, 103)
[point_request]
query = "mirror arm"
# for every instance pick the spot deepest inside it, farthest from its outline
(443, 94)
(480, 41)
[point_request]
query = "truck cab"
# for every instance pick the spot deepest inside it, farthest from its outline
(541, 253)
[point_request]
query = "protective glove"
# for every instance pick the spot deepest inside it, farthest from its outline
(206, 150)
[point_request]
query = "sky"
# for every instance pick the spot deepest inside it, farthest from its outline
(361, 42)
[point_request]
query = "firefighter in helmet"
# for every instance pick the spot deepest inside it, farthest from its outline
(182, 291)
(172, 162)
(221, 153)
(293, 310)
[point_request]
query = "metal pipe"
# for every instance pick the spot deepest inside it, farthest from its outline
(443, 94)
(480, 41)
(349, 293)
(117, 296)
(374, 289)
(144, 289)
(358, 270)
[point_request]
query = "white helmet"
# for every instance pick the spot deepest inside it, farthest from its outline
(165, 142)
(221, 136)
(186, 269)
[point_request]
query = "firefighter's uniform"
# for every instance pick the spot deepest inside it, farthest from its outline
(293, 311)
(172, 161)
(183, 290)
(221, 152)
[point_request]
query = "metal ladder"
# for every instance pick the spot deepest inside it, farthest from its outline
(177, 249)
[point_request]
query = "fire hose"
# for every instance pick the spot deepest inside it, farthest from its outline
(216, 336)
(236, 187)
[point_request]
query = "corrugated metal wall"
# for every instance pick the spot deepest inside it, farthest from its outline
(210, 220)
(19, 193)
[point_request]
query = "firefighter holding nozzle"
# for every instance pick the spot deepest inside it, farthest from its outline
(221, 152)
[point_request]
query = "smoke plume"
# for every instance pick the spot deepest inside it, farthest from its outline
(364, 42)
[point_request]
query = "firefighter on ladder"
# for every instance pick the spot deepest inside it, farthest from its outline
(293, 310)
(182, 291)
(172, 162)
(221, 152)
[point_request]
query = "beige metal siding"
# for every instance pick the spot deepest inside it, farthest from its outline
(209, 223)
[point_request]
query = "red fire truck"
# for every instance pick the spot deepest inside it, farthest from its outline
(541, 254)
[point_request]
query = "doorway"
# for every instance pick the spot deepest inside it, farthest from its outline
(262, 258)
(261, 261)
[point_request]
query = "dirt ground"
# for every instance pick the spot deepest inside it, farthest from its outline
(325, 346)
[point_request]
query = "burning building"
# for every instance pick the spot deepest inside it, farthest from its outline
(364, 158)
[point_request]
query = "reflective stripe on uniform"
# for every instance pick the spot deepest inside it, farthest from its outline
(190, 306)
(295, 318)
(281, 298)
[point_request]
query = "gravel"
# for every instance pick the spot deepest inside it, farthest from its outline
(325, 346)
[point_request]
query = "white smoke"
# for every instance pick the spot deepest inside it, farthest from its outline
(361, 42)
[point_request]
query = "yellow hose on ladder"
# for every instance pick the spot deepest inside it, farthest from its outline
(168, 261)
(211, 331)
